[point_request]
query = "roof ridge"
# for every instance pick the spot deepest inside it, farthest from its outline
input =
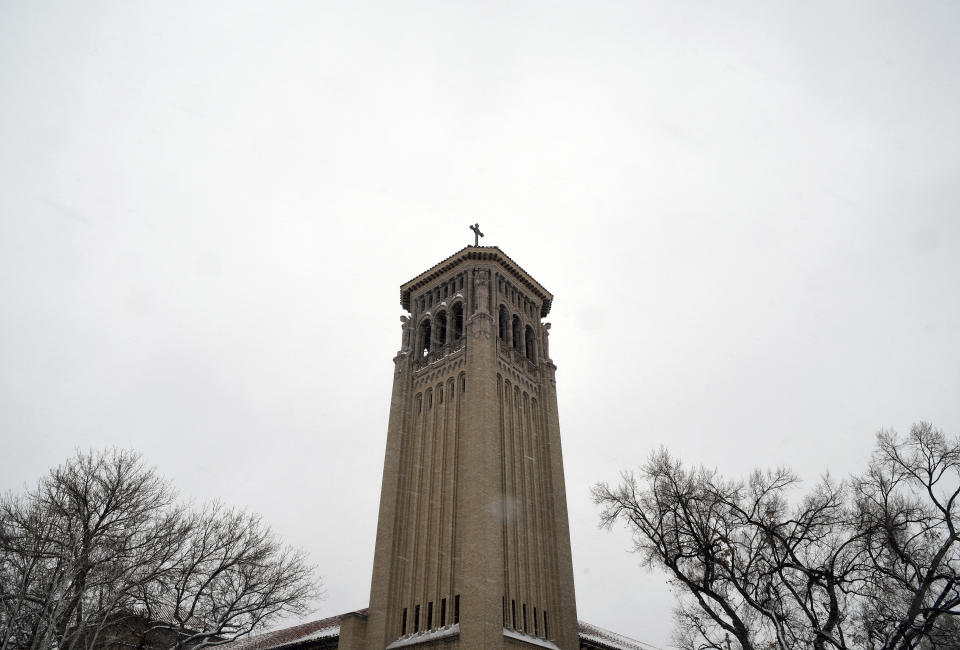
(609, 637)
(287, 636)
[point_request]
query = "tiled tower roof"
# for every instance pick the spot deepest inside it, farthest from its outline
(478, 253)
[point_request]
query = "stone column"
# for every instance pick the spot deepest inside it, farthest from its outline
(450, 325)
(545, 350)
(405, 327)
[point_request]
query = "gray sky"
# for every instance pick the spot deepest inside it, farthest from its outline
(747, 214)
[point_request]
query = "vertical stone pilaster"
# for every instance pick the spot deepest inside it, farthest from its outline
(563, 622)
(480, 498)
(375, 629)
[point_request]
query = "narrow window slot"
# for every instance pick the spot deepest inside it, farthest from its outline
(443, 612)
(416, 619)
(403, 624)
(456, 609)
(430, 615)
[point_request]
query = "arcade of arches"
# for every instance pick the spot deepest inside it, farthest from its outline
(436, 332)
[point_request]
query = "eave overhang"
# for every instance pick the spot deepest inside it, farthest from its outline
(478, 254)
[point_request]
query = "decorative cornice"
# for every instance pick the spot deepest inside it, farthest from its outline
(480, 254)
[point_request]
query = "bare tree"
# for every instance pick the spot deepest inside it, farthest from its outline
(79, 543)
(27, 564)
(100, 552)
(870, 563)
(908, 512)
(231, 577)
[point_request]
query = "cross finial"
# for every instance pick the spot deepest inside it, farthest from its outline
(476, 234)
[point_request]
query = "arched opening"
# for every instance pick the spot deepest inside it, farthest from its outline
(441, 329)
(503, 320)
(528, 339)
(423, 338)
(458, 321)
(517, 332)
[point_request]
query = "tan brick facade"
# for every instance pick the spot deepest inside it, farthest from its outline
(473, 543)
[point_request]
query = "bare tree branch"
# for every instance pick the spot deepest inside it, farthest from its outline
(871, 563)
(100, 553)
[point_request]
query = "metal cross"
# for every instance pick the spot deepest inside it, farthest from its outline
(476, 234)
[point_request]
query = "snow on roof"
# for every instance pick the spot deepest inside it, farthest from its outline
(612, 640)
(426, 635)
(532, 640)
(166, 614)
(292, 636)
(330, 627)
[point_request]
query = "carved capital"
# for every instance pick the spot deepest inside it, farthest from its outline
(480, 326)
(400, 363)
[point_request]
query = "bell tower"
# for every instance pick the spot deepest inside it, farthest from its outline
(473, 541)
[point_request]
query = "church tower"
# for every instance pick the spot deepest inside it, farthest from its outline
(473, 541)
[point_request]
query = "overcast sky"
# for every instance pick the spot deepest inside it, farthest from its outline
(747, 215)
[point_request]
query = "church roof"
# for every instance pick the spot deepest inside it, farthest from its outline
(329, 628)
(479, 253)
(291, 637)
(601, 638)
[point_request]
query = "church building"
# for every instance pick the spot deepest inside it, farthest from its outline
(473, 542)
